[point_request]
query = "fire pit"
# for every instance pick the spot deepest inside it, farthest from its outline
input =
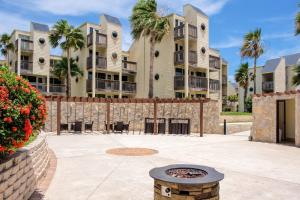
(181, 182)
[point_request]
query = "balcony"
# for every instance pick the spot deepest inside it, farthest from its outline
(129, 66)
(195, 83)
(42, 87)
(268, 86)
(214, 63)
(103, 85)
(26, 45)
(26, 67)
(179, 32)
(179, 57)
(101, 40)
(214, 85)
(128, 87)
(57, 88)
(224, 80)
(101, 62)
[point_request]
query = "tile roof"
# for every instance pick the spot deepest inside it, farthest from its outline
(40, 27)
(112, 19)
(271, 65)
(292, 59)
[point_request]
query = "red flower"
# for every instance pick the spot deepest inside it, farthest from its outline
(14, 129)
(7, 119)
(17, 144)
(32, 117)
(11, 152)
(25, 110)
(27, 129)
(2, 148)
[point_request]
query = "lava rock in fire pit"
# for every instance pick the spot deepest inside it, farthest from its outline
(182, 182)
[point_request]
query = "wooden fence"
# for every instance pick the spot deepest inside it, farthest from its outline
(106, 111)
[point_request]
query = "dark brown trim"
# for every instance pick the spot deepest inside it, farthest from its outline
(201, 119)
(58, 113)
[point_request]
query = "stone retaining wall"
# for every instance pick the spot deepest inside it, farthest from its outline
(19, 175)
(135, 113)
(236, 118)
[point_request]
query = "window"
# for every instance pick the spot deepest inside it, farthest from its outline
(31, 79)
(116, 96)
(201, 74)
(179, 95)
(124, 78)
(100, 95)
(200, 95)
(90, 76)
(55, 81)
(176, 47)
(100, 75)
(179, 72)
(108, 77)
(251, 89)
(116, 77)
(176, 22)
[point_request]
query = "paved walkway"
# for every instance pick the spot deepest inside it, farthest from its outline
(252, 170)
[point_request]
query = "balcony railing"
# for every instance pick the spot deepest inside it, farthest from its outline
(26, 45)
(101, 62)
(26, 67)
(40, 86)
(101, 40)
(214, 62)
(179, 57)
(214, 85)
(224, 79)
(195, 83)
(57, 88)
(129, 87)
(179, 32)
(103, 85)
(129, 66)
(268, 86)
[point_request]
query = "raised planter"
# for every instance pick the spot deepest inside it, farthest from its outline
(20, 174)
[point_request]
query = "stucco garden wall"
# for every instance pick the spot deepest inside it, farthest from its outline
(135, 113)
(264, 116)
(19, 175)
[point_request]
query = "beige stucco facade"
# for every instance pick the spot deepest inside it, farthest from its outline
(184, 65)
(31, 58)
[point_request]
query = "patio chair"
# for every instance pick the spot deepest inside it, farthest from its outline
(89, 126)
(77, 126)
(64, 127)
(118, 127)
(126, 127)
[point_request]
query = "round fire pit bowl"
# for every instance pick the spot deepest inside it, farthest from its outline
(181, 182)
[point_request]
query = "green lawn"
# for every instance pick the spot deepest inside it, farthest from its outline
(236, 113)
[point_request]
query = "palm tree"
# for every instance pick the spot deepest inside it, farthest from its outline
(6, 46)
(60, 69)
(296, 78)
(145, 21)
(68, 38)
(242, 78)
(297, 23)
(252, 48)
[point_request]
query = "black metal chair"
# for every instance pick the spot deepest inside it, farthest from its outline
(88, 126)
(64, 127)
(118, 127)
(126, 127)
(77, 126)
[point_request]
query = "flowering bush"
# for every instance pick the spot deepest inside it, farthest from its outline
(22, 111)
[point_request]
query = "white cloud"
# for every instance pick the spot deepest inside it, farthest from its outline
(9, 22)
(118, 8)
(229, 43)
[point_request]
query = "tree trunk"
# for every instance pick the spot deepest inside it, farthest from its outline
(245, 98)
(254, 74)
(152, 45)
(68, 91)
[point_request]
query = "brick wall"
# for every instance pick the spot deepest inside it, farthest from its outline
(19, 175)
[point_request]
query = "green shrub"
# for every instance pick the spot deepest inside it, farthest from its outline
(22, 111)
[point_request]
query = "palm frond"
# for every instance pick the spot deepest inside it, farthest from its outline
(297, 24)
(60, 69)
(296, 77)
(241, 75)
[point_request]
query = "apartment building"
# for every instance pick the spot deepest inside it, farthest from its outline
(184, 65)
(32, 60)
(275, 76)
(108, 71)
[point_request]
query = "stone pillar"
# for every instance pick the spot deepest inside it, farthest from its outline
(186, 60)
(48, 83)
(297, 118)
(94, 65)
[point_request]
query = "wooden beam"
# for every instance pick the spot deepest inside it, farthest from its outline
(58, 114)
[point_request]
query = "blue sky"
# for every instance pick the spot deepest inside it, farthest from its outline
(229, 20)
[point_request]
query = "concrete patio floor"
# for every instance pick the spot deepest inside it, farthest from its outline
(252, 170)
